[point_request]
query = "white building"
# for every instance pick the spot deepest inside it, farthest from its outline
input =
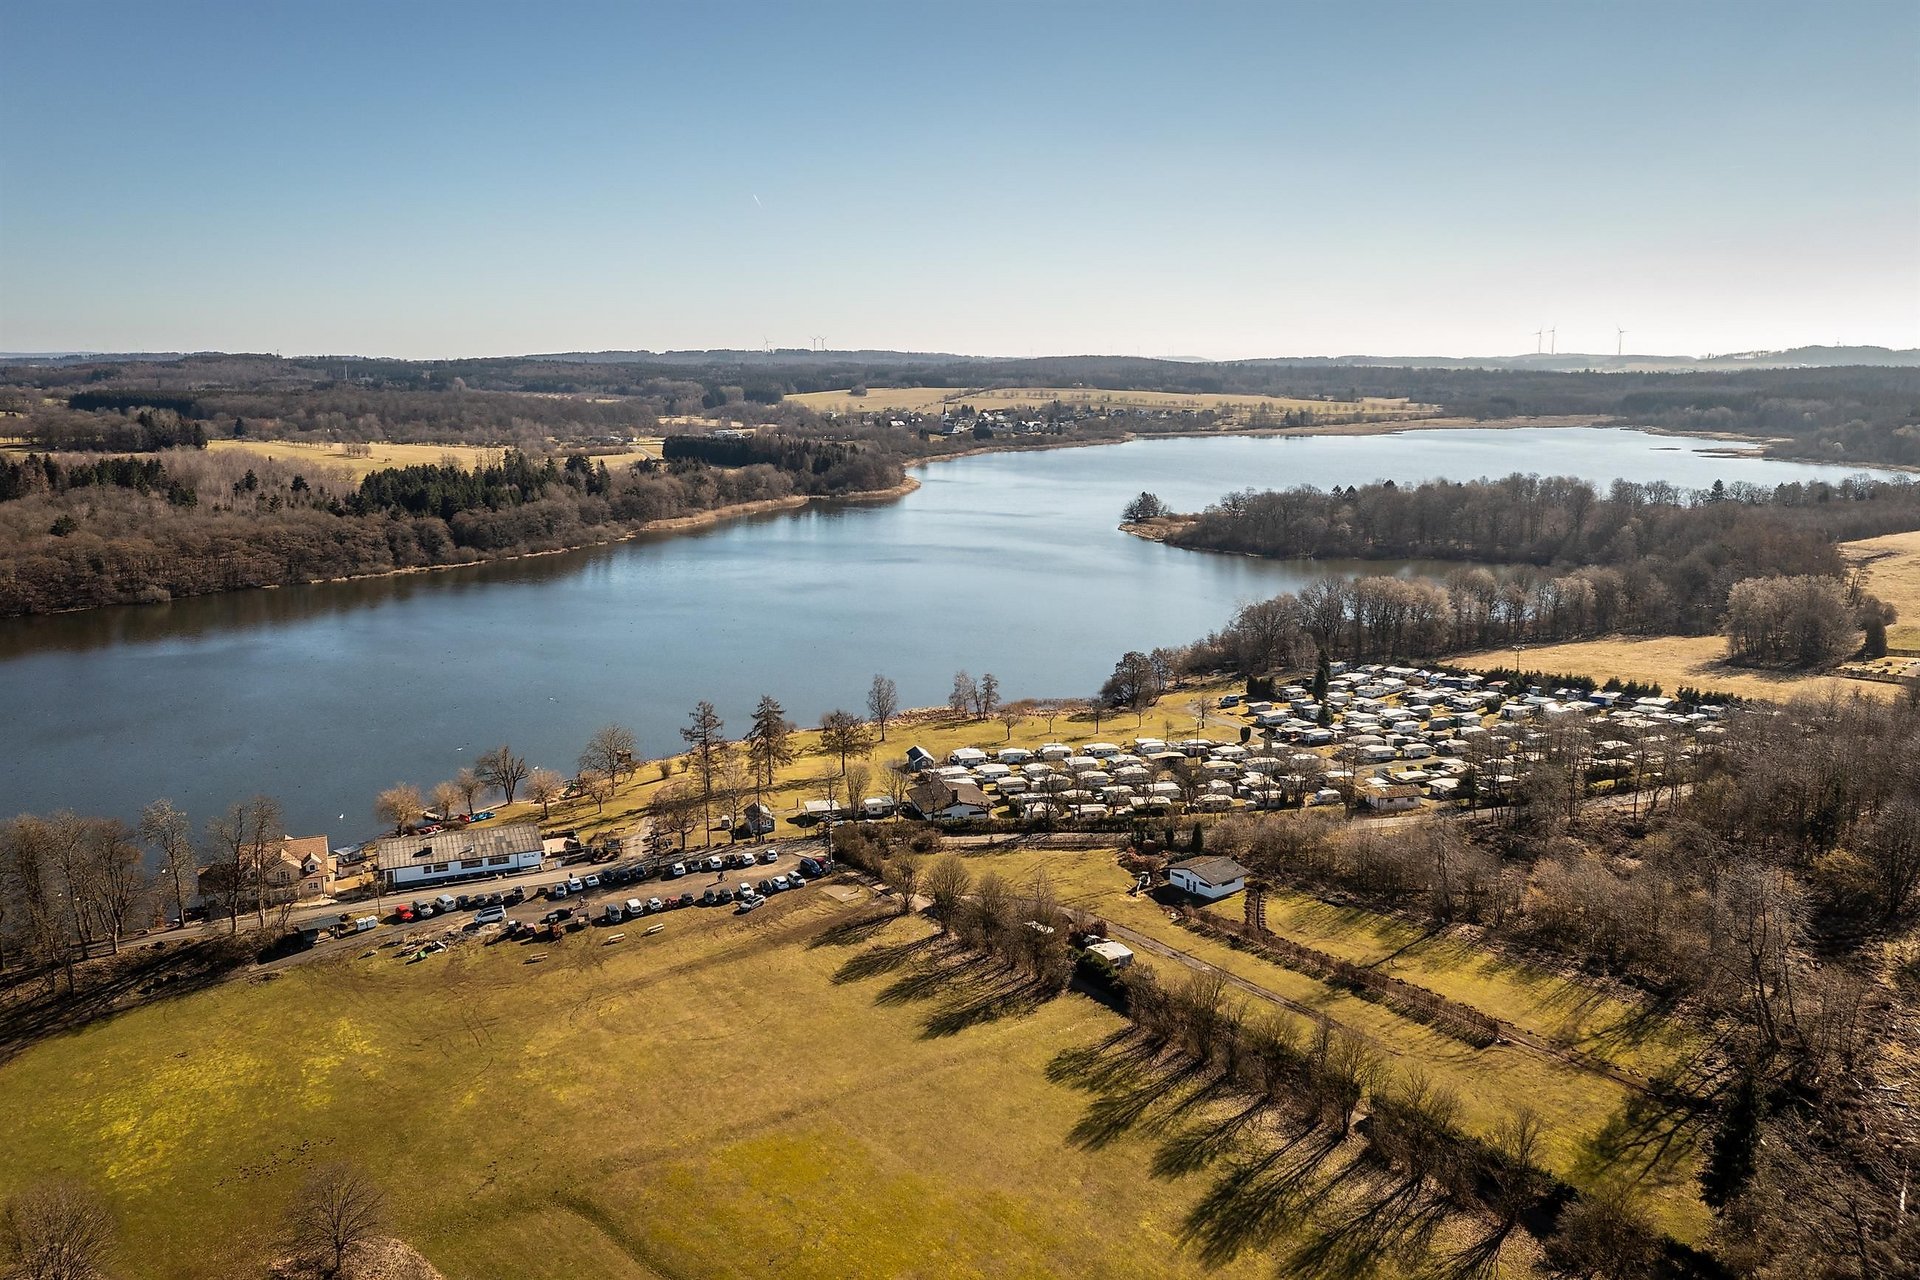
(1211, 878)
(406, 862)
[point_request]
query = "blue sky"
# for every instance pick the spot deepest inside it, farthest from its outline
(422, 179)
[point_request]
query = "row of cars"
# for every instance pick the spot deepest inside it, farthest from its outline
(617, 877)
(448, 903)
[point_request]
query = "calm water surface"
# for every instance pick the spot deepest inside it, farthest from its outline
(1009, 563)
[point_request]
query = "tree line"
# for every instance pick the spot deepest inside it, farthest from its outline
(275, 527)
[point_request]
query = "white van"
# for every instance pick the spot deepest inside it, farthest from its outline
(492, 915)
(365, 923)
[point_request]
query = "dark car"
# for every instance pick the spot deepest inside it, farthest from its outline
(513, 897)
(816, 867)
(684, 900)
(557, 915)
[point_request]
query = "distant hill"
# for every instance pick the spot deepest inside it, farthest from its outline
(1587, 362)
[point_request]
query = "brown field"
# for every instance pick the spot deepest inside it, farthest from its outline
(934, 399)
(1893, 574)
(1671, 661)
(384, 455)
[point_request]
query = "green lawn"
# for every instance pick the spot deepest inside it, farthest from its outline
(1568, 1012)
(1594, 1127)
(710, 1102)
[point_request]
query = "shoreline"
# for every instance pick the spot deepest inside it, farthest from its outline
(693, 521)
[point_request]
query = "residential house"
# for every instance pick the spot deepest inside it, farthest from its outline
(1212, 878)
(937, 800)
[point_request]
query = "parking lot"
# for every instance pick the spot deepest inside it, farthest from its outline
(736, 880)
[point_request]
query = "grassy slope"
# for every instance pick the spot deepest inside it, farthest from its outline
(1893, 574)
(707, 1103)
(1589, 1120)
(1672, 661)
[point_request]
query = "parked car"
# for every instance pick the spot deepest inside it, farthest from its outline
(492, 915)
(816, 867)
(766, 886)
(654, 904)
(716, 895)
(575, 885)
(781, 884)
(614, 913)
(557, 915)
(591, 882)
(749, 902)
(769, 855)
(513, 897)
(684, 900)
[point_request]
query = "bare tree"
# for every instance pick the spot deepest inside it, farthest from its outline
(609, 751)
(503, 769)
(446, 798)
(946, 885)
(883, 699)
(61, 1231)
(337, 1208)
(469, 784)
(675, 808)
(597, 787)
(1011, 715)
(544, 786)
(27, 881)
(965, 693)
(167, 830)
(116, 883)
(858, 778)
(399, 804)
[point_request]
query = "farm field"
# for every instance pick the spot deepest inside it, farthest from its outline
(384, 455)
(1589, 1119)
(728, 1098)
(1671, 661)
(935, 399)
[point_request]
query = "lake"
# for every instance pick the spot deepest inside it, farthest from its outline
(1009, 563)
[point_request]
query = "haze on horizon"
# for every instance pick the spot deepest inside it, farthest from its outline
(1214, 181)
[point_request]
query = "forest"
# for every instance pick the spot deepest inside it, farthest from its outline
(1640, 557)
(186, 522)
(1844, 413)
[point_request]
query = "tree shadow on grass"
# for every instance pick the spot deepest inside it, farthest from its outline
(847, 933)
(875, 961)
(1262, 1196)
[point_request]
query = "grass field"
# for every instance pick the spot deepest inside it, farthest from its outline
(384, 455)
(723, 1100)
(1893, 574)
(1591, 1121)
(1672, 661)
(935, 399)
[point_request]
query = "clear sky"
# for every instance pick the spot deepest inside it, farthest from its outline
(1179, 179)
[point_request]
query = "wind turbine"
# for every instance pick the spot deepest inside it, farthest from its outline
(1619, 340)
(1553, 341)
(1537, 335)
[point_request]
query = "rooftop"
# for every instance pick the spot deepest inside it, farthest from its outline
(467, 843)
